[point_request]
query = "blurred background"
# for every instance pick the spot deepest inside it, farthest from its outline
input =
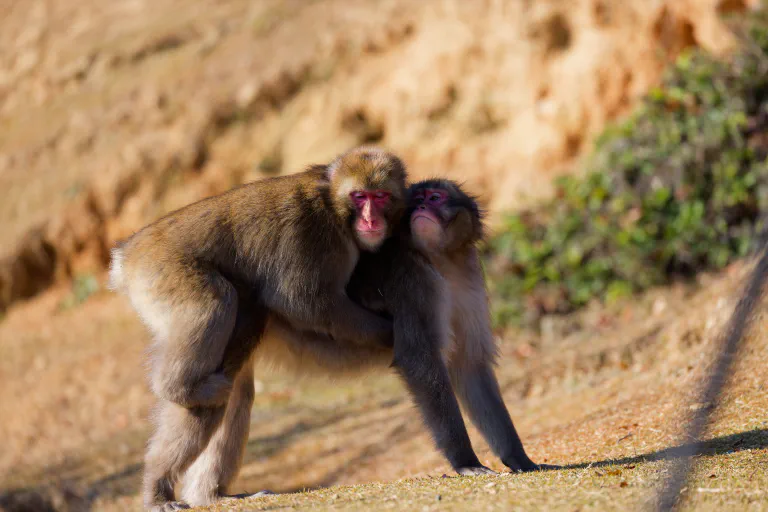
(619, 147)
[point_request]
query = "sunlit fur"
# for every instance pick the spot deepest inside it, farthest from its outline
(204, 279)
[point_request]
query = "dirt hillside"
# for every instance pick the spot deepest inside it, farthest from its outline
(114, 113)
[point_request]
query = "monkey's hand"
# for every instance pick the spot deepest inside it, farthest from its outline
(475, 471)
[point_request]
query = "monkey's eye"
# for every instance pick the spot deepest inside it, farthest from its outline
(357, 196)
(435, 197)
(382, 195)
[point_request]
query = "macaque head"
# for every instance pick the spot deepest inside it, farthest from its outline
(443, 217)
(368, 188)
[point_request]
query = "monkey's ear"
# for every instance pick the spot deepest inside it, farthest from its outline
(459, 230)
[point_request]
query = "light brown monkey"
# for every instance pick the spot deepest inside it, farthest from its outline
(442, 337)
(204, 278)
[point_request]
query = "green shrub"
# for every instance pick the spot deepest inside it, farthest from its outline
(675, 189)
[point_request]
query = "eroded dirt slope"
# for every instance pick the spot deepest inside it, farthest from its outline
(112, 113)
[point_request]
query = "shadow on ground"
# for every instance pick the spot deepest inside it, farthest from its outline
(72, 496)
(751, 440)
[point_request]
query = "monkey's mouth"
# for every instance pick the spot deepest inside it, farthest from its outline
(421, 215)
(371, 233)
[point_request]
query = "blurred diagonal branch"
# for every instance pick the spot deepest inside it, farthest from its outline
(670, 494)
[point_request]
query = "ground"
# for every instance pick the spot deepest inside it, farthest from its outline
(604, 392)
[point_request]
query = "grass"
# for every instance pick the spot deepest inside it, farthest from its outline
(719, 485)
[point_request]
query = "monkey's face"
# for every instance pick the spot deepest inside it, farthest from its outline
(428, 220)
(368, 186)
(371, 207)
(443, 218)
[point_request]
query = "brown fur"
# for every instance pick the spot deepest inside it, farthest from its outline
(205, 277)
(442, 331)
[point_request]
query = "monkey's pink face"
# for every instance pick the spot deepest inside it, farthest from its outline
(427, 218)
(370, 219)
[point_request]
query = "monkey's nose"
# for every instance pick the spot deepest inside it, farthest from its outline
(422, 207)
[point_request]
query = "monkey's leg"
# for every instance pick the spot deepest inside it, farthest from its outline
(249, 327)
(195, 330)
(181, 435)
(198, 325)
(210, 476)
(479, 392)
(214, 470)
(426, 377)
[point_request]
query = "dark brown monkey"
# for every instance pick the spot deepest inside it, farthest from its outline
(428, 278)
(205, 277)
(446, 226)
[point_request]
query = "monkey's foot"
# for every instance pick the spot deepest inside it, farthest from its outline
(241, 496)
(522, 464)
(547, 467)
(516, 468)
(475, 471)
(169, 506)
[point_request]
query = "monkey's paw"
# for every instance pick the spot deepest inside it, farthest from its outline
(547, 467)
(248, 495)
(475, 471)
(170, 506)
(515, 468)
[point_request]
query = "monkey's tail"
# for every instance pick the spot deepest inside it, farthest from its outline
(116, 277)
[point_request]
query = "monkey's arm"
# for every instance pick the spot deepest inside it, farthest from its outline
(479, 392)
(420, 364)
(343, 319)
(351, 321)
(419, 335)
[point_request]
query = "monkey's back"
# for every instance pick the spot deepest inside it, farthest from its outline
(261, 231)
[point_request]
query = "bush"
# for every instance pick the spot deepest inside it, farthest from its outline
(675, 189)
